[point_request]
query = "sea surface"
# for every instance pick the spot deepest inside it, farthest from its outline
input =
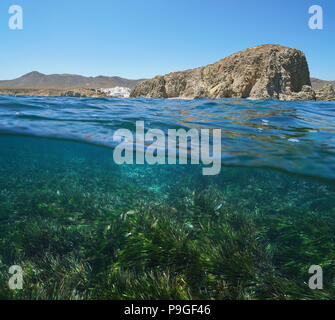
(82, 226)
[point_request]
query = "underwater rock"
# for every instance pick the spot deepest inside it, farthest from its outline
(263, 72)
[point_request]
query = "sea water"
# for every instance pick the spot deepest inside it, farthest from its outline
(82, 226)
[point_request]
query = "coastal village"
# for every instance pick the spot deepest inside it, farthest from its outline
(116, 92)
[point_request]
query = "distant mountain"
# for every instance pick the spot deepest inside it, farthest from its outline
(37, 80)
(318, 84)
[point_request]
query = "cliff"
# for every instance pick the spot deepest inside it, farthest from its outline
(262, 72)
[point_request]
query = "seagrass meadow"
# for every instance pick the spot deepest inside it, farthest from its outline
(83, 227)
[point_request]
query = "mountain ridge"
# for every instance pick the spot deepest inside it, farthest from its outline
(318, 83)
(38, 80)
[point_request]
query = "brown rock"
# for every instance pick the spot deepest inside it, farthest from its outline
(262, 72)
(326, 93)
(306, 93)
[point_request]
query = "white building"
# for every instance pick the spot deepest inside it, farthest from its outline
(120, 92)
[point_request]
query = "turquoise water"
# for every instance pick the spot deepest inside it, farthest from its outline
(84, 227)
(297, 137)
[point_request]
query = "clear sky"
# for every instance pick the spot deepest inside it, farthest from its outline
(143, 38)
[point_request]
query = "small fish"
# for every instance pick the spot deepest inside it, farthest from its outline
(218, 207)
(189, 225)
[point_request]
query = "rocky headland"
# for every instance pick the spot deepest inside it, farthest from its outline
(262, 72)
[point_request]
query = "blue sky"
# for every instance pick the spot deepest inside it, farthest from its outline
(140, 39)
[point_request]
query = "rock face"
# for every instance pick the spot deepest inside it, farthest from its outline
(262, 72)
(326, 93)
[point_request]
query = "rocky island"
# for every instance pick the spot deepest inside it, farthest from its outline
(263, 72)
